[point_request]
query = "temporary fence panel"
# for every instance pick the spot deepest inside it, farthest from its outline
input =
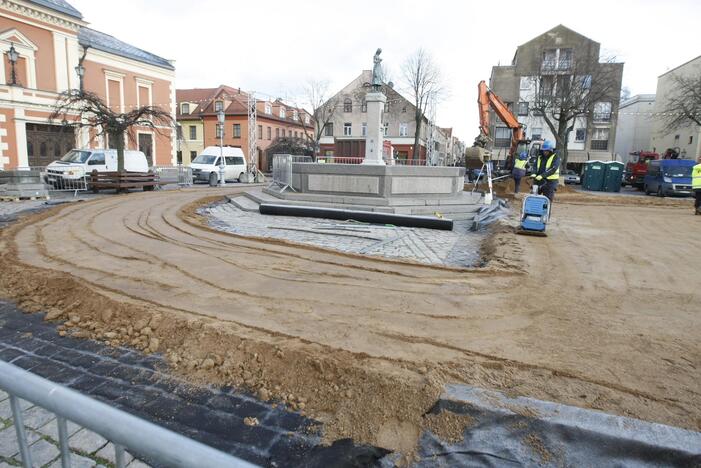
(69, 179)
(181, 175)
(124, 430)
(282, 171)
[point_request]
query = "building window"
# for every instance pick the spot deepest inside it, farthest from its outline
(525, 82)
(179, 157)
(347, 129)
(328, 129)
(602, 112)
(193, 155)
(218, 106)
(676, 139)
(364, 129)
(219, 133)
(600, 139)
(283, 114)
(387, 106)
(260, 132)
(296, 134)
(403, 130)
(237, 130)
(404, 109)
(284, 134)
(185, 108)
(502, 137)
(385, 129)
(193, 132)
(364, 106)
(295, 115)
(580, 134)
(179, 132)
(557, 59)
(347, 105)
(691, 139)
(270, 133)
(268, 108)
(306, 119)
(277, 133)
(536, 133)
(523, 108)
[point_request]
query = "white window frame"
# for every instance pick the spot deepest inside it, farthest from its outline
(268, 108)
(182, 108)
(347, 129)
(283, 113)
(217, 104)
(403, 129)
(364, 129)
(385, 129)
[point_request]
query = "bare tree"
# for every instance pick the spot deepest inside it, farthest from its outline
(80, 109)
(683, 106)
(565, 91)
(423, 80)
(315, 96)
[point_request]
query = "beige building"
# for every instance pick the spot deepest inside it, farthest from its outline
(48, 39)
(686, 139)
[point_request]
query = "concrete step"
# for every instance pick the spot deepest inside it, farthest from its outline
(245, 203)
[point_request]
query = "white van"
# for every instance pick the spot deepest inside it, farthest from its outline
(77, 163)
(205, 167)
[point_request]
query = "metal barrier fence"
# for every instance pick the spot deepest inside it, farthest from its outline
(181, 175)
(61, 180)
(124, 430)
(282, 169)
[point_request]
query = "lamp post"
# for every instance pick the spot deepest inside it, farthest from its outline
(13, 57)
(221, 117)
(80, 70)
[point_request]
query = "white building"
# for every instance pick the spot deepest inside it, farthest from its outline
(634, 128)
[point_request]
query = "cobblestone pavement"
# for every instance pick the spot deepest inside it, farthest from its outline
(459, 247)
(141, 385)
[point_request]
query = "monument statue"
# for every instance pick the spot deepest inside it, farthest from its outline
(377, 72)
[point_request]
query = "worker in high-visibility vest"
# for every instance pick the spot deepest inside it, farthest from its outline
(519, 170)
(696, 185)
(547, 170)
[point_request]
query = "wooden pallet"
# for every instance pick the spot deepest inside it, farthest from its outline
(13, 198)
(123, 180)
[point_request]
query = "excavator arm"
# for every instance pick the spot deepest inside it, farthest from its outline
(486, 99)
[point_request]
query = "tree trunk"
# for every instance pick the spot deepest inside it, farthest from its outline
(562, 137)
(119, 142)
(417, 136)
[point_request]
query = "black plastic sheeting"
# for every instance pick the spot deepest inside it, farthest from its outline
(362, 216)
(527, 432)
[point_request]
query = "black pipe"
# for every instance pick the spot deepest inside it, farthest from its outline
(361, 216)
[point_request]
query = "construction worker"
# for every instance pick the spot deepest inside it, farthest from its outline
(547, 170)
(696, 185)
(519, 170)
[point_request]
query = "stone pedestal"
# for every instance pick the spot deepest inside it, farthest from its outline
(374, 138)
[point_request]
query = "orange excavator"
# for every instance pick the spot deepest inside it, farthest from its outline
(486, 99)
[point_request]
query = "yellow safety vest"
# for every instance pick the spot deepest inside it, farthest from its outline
(555, 175)
(520, 163)
(696, 177)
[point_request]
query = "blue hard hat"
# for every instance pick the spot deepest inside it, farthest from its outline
(523, 155)
(547, 146)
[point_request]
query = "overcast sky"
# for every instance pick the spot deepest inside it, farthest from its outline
(274, 46)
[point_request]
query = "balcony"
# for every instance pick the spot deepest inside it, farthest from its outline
(600, 145)
(556, 66)
(602, 117)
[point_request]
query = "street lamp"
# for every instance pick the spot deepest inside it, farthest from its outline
(221, 117)
(13, 57)
(80, 70)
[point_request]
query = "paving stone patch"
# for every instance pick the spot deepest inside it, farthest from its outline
(86, 441)
(459, 247)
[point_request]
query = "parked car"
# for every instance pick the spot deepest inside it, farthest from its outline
(72, 167)
(571, 177)
(205, 167)
(669, 177)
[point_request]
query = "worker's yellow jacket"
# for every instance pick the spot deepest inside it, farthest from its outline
(696, 177)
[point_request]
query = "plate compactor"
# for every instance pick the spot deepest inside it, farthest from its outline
(535, 214)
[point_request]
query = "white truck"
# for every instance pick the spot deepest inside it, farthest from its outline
(70, 170)
(206, 166)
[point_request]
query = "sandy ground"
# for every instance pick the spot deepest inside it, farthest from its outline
(604, 313)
